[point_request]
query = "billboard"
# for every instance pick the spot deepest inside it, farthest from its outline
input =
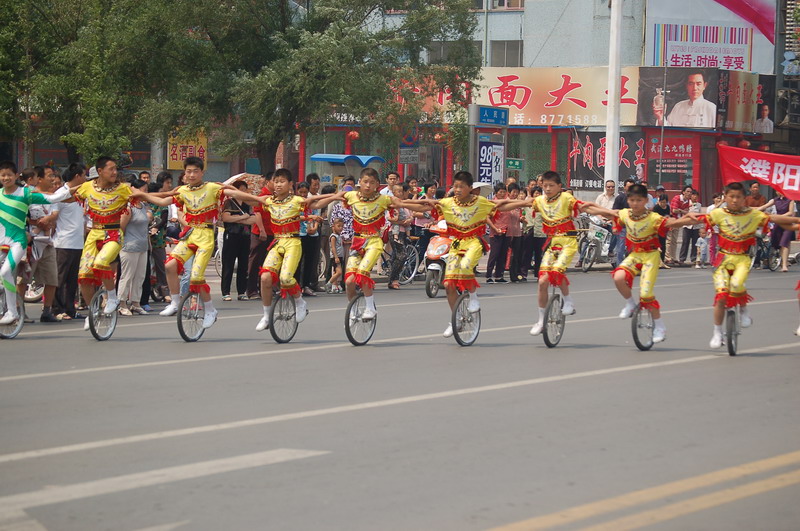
(678, 97)
(179, 147)
(725, 34)
(588, 159)
(559, 96)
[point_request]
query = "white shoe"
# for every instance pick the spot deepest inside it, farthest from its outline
(369, 313)
(210, 318)
(8, 318)
(301, 313)
(537, 329)
(263, 324)
(626, 312)
(111, 306)
(474, 306)
(86, 324)
(568, 308)
(716, 340)
(797, 332)
(659, 334)
(448, 332)
(747, 321)
(171, 309)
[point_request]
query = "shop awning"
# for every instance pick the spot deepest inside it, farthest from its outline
(363, 160)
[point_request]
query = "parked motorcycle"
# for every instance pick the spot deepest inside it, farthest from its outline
(435, 256)
(597, 244)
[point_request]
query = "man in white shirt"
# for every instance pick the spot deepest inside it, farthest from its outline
(694, 112)
(68, 242)
(764, 125)
(606, 199)
(392, 178)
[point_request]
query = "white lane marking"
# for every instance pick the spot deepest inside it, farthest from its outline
(19, 520)
(326, 346)
(171, 320)
(30, 454)
(163, 527)
(48, 496)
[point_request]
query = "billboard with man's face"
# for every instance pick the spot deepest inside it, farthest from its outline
(678, 97)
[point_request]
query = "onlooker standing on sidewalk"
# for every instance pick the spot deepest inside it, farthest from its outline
(235, 244)
(514, 235)
(679, 206)
(422, 222)
(133, 255)
(68, 243)
(620, 202)
(158, 241)
(392, 178)
(311, 243)
(713, 239)
(663, 210)
(399, 222)
(44, 269)
(498, 241)
(337, 256)
(755, 199)
(692, 232)
(260, 238)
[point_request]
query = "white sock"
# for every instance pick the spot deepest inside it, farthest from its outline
(568, 299)
(718, 329)
(473, 297)
(541, 314)
(112, 294)
(209, 306)
(300, 302)
(743, 310)
(659, 323)
(370, 301)
(267, 309)
(630, 303)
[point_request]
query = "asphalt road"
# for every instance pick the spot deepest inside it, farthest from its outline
(410, 432)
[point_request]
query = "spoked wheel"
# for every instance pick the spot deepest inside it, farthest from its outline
(642, 326)
(732, 331)
(432, 283)
(554, 321)
(409, 270)
(359, 330)
(218, 262)
(466, 324)
(773, 259)
(322, 265)
(283, 319)
(10, 331)
(34, 292)
(592, 250)
(190, 317)
(101, 324)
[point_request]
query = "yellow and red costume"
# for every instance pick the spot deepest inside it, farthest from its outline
(201, 206)
(104, 207)
(641, 238)
(286, 249)
(368, 221)
(466, 222)
(562, 242)
(736, 234)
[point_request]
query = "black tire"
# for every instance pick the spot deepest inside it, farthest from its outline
(283, 319)
(217, 258)
(642, 326)
(592, 250)
(358, 331)
(155, 294)
(773, 259)
(409, 270)
(466, 324)
(432, 282)
(753, 252)
(34, 292)
(101, 325)
(12, 330)
(191, 312)
(322, 265)
(731, 332)
(554, 321)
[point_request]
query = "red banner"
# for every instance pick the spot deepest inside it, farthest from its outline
(781, 172)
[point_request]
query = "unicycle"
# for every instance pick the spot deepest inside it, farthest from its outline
(466, 324)
(191, 313)
(359, 330)
(554, 319)
(733, 327)
(10, 331)
(642, 326)
(283, 319)
(101, 324)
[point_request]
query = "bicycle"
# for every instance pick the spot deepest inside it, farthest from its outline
(554, 319)
(733, 327)
(466, 324)
(358, 330)
(283, 319)
(642, 326)
(763, 248)
(596, 239)
(410, 265)
(191, 313)
(101, 324)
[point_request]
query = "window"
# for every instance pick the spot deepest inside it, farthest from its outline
(506, 53)
(508, 4)
(440, 51)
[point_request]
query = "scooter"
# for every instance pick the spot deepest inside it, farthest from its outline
(598, 240)
(435, 256)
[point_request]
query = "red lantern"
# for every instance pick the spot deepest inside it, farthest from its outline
(723, 143)
(353, 135)
(763, 147)
(439, 137)
(744, 144)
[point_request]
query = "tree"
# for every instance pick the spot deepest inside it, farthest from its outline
(251, 72)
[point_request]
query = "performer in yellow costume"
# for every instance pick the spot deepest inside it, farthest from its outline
(368, 208)
(286, 211)
(200, 203)
(466, 215)
(557, 210)
(642, 229)
(737, 226)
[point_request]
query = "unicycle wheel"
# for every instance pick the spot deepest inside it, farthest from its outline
(554, 321)
(10, 331)
(358, 330)
(101, 324)
(642, 326)
(466, 324)
(283, 319)
(731, 332)
(190, 317)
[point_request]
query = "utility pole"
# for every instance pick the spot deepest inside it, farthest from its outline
(611, 171)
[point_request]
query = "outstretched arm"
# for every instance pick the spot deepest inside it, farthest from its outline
(242, 196)
(787, 222)
(321, 201)
(687, 219)
(416, 206)
(153, 198)
(505, 205)
(596, 210)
